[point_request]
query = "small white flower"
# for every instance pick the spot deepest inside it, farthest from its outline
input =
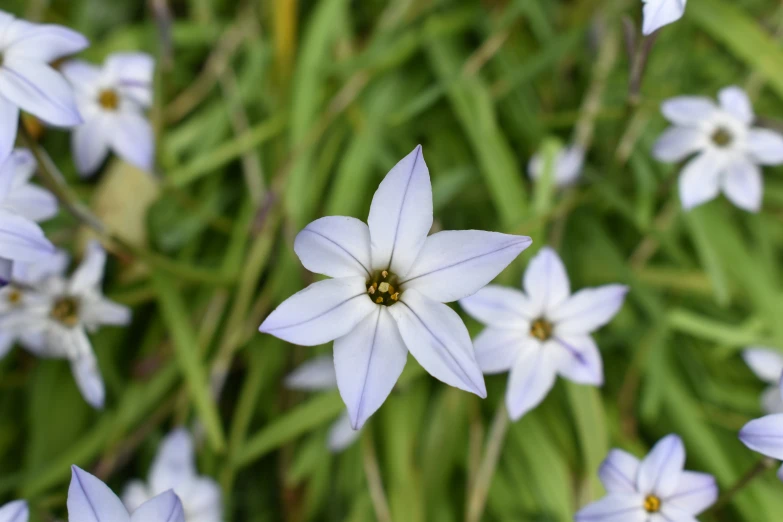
(658, 13)
(767, 364)
(90, 500)
(28, 82)
(315, 375)
(729, 150)
(174, 469)
(765, 435)
(542, 332)
(57, 313)
(390, 283)
(112, 101)
(568, 165)
(657, 489)
(16, 511)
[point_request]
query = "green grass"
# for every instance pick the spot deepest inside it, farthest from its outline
(334, 92)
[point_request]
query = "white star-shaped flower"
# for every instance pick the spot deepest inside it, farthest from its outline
(28, 82)
(568, 166)
(112, 101)
(658, 13)
(767, 364)
(16, 511)
(765, 435)
(390, 283)
(729, 151)
(90, 500)
(53, 317)
(657, 489)
(174, 469)
(318, 374)
(542, 332)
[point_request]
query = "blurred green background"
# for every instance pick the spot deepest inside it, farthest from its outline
(272, 113)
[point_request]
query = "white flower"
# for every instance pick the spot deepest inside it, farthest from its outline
(390, 283)
(57, 313)
(21, 204)
(112, 101)
(765, 435)
(28, 82)
(658, 13)
(16, 511)
(657, 489)
(315, 375)
(767, 364)
(542, 332)
(568, 165)
(729, 151)
(90, 500)
(174, 469)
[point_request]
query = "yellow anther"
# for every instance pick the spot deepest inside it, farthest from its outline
(385, 274)
(379, 300)
(652, 504)
(395, 296)
(384, 287)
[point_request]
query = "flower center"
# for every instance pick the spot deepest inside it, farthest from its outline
(15, 297)
(381, 288)
(722, 137)
(541, 329)
(66, 311)
(652, 504)
(109, 99)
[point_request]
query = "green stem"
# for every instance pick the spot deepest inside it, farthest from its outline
(478, 496)
(757, 470)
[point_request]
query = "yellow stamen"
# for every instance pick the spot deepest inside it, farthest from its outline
(66, 311)
(541, 329)
(109, 99)
(652, 504)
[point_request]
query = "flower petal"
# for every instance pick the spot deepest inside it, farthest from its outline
(90, 145)
(90, 500)
(174, 465)
(436, 336)
(135, 494)
(457, 263)
(320, 313)
(687, 111)
(500, 306)
(87, 373)
(660, 471)
(33, 202)
(735, 101)
(700, 179)
(103, 312)
(765, 146)
(341, 434)
(677, 143)
(401, 215)
(133, 74)
(9, 123)
(617, 507)
(368, 361)
(132, 139)
(588, 309)
(498, 348)
(163, 508)
(335, 246)
(546, 281)
(695, 492)
(22, 240)
(743, 185)
(670, 512)
(40, 90)
(16, 511)
(618, 472)
(316, 374)
(766, 363)
(89, 274)
(44, 43)
(203, 500)
(765, 435)
(568, 165)
(531, 378)
(80, 73)
(771, 400)
(658, 13)
(579, 359)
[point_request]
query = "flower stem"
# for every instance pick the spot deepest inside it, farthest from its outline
(374, 483)
(757, 470)
(478, 496)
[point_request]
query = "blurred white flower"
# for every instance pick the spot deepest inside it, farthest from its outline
(729, 151)
(16, 511)
(542, 332)
(656, 489)
(21, 204)
(658, 13)
(568, 165)
(57, 313)
(112, 101)
(765, 435)
(318, 374)
(90, 500)
(28, 82)
(767, 364)
(174, 469)
(390, 283)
